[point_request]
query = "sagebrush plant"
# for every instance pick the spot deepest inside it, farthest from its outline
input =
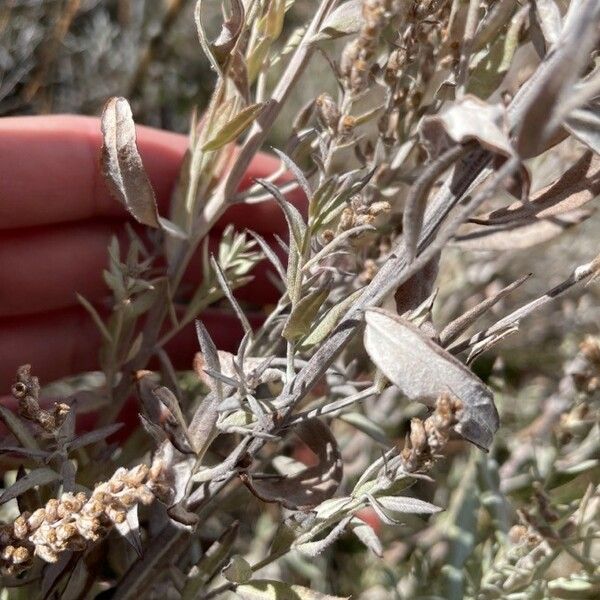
(444, 115)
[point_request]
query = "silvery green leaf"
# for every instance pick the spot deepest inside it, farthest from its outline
(367, 426)
(172, 228)
(234, 127)
(576, 187)
(210, 355)
(304, 313)
(237, 570)
(266, 589)
(296, 171)
(294, 219)
(78, 579)
(330, 507)
(346, 19)
(366, 534)
(325, 326)
(91, 437)
(268, 252)
(490, 65)
(94, 314)
(459, 325)
(493, 21)
(122, 163)
(519, 235)
(314, 548)
(423, 370)
(225, 287)
(569, 57)
(404, 504)
(41, 476)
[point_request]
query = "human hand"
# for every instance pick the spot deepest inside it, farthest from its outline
(56, 220)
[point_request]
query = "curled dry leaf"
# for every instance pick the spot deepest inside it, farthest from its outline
(161, 408)
(347, 18)
(230, 31)
(423, 370)
(577, 186)
(311, 486)
(122, 163)
(468, 119)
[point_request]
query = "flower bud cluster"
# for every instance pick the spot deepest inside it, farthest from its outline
(359, 55)
(26, 391)
(73, 521)
(361, 212)
(428, 438)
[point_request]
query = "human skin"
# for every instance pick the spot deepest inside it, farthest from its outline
(56, 220)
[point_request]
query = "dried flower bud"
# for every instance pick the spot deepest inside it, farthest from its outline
(20, 527)
(21, 555)
(52, 510)
(36, 519)
(380, 207)
(347, 219)
(359, 75)
(328, 110)
(346, 125)
(327, 236)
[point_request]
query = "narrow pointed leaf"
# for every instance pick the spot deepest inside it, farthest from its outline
(34, 478)
(404, 504)
(235, 127)
(303, 314)
(19, 429)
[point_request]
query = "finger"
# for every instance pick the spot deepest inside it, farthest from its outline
(66, 342)
(50, 173)
(43, 268)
